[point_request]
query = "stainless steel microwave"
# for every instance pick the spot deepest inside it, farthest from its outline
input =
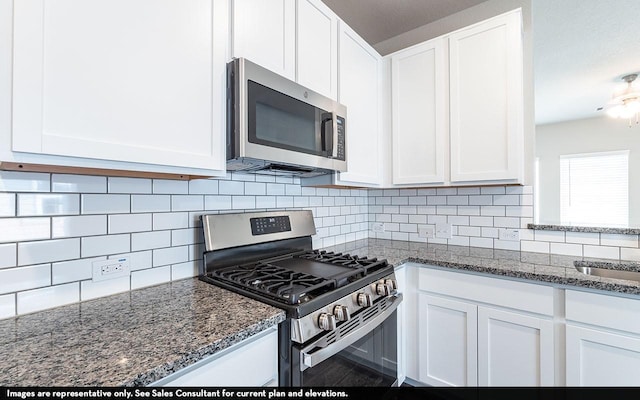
(277, 126)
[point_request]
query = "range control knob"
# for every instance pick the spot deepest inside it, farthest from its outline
(364, 300)
(327, 322)
(392, 284)
(342, 313)
(383, 289)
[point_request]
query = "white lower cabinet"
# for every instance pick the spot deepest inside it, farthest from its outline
(603, 340)
(253, 362)
(447, 341)
(474, 330)
(514, 349)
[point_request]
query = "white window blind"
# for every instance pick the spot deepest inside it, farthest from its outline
(594, 189)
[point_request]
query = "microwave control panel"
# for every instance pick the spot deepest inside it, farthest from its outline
(341, 141)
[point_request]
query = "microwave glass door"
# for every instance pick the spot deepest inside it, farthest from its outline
(280, 121)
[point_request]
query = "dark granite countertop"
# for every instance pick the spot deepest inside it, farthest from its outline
(128, 339)
(588, 229)
(546, 268)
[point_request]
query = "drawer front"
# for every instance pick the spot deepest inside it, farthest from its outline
(497, 291)
(603, 310)
(251, 364)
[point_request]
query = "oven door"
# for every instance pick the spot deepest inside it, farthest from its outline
(359, 352)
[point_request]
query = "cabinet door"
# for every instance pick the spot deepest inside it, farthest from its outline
(514, 349)
(486, 104)
(137, 80)
(317, 47)
(447, 340)
(264, 32)
(600, 358)
(359, 89)
(419, 114)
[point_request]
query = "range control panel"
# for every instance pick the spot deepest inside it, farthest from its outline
(262, 226)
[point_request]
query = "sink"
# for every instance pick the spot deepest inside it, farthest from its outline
(625, 271)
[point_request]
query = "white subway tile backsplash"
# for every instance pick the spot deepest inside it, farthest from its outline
(165, 186)
(52, 296)
(469, 231)
(48, 251)
(13, 181)
(458, 200)
(7, 305)
(534, 247)
(608, 239)
(181, 237)
(582, 237)
(203, 186)
(184, 270)
(176, 220)
(78, 226)
(446, 191)
(601, 252)
(130, 185)
(520, 211)
(187, 203)
(78, 183)
(506, 222)
(506, 200)
(255, 188)
(300, 202)
(549, 236)
(105, 203)
(493, 190)
(567, 249)
(436, 200)
(150, 277)
(506, 245)
(8, 255)
(479, 242)
(481, 200)
(24, 278)
(284, 201)
(496, 211)
(7, 204)
(71, 271)
(103, 245)
(401, 218)
(150, 203)
(150, 240)
(217, 202)
(459, 241)
(41, 204)
(91, 290)
(469, 190)
(292, 190)
(21, 229)
(265, 202)
(171, 255)
(127, 223)
(629, 254)
(231, 187)
(244, 202)
(481, 221)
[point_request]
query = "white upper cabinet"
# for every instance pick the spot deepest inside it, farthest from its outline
(264, 32)
(359, 73)
(458, 118)
(139, 81)
(419, 139)
(317, 47)
(487, 101)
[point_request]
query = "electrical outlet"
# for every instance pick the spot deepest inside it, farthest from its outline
(378, 227)
(426, 231)
(110, 269)
(509, 234)
(443, 231)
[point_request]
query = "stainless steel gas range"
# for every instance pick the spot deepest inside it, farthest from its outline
(341, 326)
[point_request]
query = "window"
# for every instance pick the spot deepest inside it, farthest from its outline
(590, 181)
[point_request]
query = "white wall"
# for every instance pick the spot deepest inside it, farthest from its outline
(584, 136)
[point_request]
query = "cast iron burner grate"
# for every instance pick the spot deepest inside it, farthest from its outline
(345, 260)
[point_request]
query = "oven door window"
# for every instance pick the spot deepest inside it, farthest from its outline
(278, 120)
(371, 361)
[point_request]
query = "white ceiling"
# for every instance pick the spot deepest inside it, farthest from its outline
(581, 47)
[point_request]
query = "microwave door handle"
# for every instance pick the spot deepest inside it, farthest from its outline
(333, 150)
(327, 139)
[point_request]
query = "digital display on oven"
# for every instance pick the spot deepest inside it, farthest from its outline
(264, 225)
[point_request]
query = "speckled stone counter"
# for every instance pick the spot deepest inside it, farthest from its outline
(588, 229)
(129, 339)
(549, 268)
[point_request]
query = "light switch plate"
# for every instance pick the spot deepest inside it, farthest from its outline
(378, 227)
(426, 231)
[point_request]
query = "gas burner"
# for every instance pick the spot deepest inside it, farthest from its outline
(345, 260)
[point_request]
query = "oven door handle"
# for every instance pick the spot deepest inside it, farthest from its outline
(309, 359)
